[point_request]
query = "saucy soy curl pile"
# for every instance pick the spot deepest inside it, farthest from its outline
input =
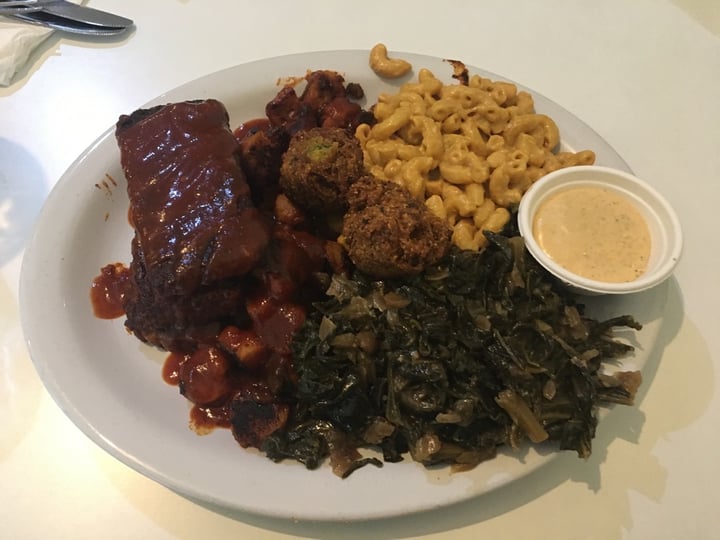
(359, 283)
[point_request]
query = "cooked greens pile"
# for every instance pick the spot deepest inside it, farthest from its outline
(479, 351)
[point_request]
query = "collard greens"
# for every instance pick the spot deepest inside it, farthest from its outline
(479, 351)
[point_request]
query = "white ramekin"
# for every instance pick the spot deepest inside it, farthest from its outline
(663, 224)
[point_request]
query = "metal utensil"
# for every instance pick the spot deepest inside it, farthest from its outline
(84, 14)
(65, 10)
(15, 3)
(18, 6)
(67, 25)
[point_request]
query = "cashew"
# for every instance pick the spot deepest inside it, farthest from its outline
(384, 66)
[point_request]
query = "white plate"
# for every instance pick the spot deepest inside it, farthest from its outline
(111, 387)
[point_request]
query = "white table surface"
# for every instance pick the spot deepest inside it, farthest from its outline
(644, 73)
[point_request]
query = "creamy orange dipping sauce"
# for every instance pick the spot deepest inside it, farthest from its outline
(594, 232)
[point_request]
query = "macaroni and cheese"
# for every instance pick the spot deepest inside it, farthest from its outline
(468, 151)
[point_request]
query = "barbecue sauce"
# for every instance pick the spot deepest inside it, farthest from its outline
(171, 368)
(108, 291)
(251, 126)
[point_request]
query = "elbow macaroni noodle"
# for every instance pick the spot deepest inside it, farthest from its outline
(469, 151)
(385, 66)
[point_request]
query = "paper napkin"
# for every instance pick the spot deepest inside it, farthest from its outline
(17, 42)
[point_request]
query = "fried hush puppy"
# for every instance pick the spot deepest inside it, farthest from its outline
(319, 166)
(388, 233)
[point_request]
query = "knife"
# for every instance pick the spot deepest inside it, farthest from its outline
(73, 12)
(67, 25)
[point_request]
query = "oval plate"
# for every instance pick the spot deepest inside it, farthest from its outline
(110, 385)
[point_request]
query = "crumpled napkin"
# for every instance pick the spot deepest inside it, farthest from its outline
(17, 42)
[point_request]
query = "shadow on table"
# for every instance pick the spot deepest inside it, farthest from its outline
(593, 484)
(22, 192)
